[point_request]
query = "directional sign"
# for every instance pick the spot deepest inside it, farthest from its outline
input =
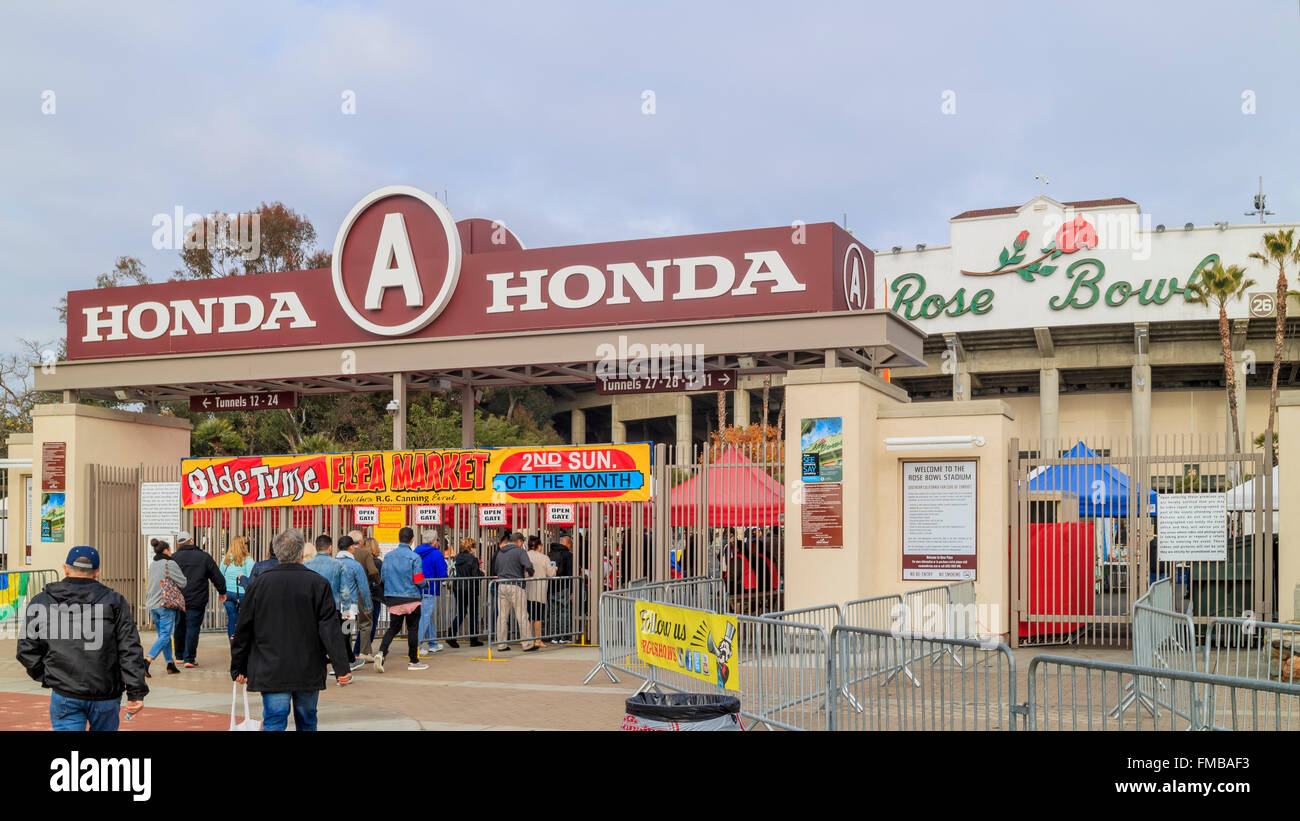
(721, 380)
(271, 400)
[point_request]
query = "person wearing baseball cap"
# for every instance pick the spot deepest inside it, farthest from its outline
(80, 641)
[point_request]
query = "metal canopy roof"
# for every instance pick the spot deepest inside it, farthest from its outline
(876, 338)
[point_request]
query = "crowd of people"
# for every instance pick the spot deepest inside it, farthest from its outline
(306, 609)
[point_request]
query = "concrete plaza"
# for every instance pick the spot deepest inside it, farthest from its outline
(459, 691)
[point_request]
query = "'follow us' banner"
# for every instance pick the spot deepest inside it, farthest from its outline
(578, 473)
(701, 645)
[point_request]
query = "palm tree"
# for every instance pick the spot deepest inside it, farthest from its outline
(316, 443)
(1280, 250)
(216, 437)
(1217, 287)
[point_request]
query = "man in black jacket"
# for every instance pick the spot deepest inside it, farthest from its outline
(560, 594)
(199, 569)
(80, 641)
(287, 626)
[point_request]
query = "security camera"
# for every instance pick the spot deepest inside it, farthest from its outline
(392, 407)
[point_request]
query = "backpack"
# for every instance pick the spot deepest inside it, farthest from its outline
(172, 597)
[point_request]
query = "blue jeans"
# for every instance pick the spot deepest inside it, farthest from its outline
(185, 634)
(428, 630)
(232, 613)
(75, 713)
(163, 619)
(275, 710)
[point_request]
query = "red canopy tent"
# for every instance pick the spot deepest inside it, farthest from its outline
(740, 494)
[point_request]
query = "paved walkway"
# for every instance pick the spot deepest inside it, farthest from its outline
(459, 691)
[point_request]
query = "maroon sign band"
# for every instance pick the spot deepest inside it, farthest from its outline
(402, 269)
(720, 380)
(269, 400)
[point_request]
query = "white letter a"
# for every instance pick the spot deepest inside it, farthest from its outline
(394, 266)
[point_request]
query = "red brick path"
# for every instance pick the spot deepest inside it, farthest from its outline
(27, 712)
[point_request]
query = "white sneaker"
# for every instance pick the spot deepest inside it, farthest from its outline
(435, 648)
(419, 665)
(379, 662)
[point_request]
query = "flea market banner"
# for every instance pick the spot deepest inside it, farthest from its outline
(579, 473)
(698, 644)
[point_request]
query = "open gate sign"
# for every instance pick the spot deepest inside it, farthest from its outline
(559, 514)
(491, 515)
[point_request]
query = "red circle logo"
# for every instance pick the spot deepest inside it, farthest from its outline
(396, 260)
(854, 275)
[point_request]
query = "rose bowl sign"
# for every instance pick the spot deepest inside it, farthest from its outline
(403, 268)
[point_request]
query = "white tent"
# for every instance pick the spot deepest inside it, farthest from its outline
(1242, 497)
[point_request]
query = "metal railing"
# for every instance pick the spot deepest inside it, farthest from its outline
(17, 587)
(826, 616)
(1244, 648)
(876, 613)
(784, 668)
(551, 606)
(969, 685)
(1080, 694)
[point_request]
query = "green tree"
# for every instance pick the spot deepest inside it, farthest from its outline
(1217, 287)
(287, 240)
(126, 271)
(1281, 250)
(316, 443)
(216, 437)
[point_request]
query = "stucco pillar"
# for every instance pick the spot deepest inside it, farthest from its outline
(817, 575)
(961, 384)
(617, 430)
(1288, 515)
(1142, 408)
(92, 436)
(741, 409)
(399, 418)
(1239, 368)
(578, 427)
(467, 416)
(1049, 405)
(683, 427)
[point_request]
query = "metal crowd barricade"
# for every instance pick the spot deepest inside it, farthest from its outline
(876, 613)
(1162, 640)
(784, 668)
(17, 587)
(460, 609)
(1081, 694)
(827, 616)
(971, 685)
(549, 603)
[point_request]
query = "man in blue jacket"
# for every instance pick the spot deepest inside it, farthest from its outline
(342, 588)
(402, 574)
(356, 592)
(434, 566)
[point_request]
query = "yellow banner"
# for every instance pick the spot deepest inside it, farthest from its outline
(701, 645)
(561, 473)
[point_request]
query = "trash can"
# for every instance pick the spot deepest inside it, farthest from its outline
(682, 711)
(1224, 589)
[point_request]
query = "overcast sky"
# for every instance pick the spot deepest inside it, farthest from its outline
(532, 113)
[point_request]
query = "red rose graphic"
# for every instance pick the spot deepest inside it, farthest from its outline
(1021, 239)
(1076, 234)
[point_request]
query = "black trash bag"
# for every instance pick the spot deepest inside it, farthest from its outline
(682, 712)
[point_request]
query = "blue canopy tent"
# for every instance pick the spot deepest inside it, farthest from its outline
(1102, 489)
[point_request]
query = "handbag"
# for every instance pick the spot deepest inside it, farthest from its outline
(172, 597)
(249, 724)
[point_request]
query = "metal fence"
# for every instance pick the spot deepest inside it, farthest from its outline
(891, 681)
(876, 613)
(1085, 534)
(784, 668)
(1080, 694)
(17, 587)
